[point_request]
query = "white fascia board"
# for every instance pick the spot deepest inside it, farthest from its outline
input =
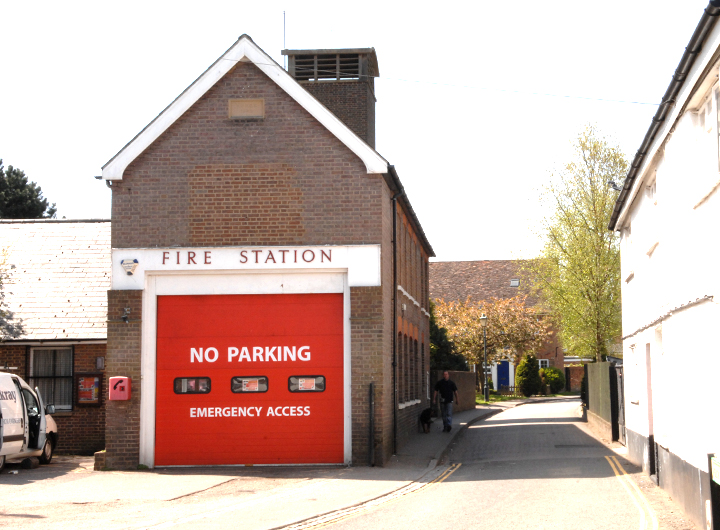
(686, 92)
(362, 262)
(244, 50)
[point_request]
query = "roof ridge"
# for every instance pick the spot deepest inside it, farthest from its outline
(243, 50)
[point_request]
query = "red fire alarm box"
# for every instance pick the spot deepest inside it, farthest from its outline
(119, 388)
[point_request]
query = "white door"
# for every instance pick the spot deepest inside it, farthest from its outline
(13, 416)
(43, 422)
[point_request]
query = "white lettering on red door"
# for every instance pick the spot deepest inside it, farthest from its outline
(288, 411)
(247, 412)
(210, 355)
(259, 354)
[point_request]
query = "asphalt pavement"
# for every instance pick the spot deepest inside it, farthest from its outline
(160, 498)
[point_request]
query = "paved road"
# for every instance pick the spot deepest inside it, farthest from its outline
(533, 466)
(528, 467)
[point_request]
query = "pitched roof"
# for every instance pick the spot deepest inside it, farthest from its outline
(689, 74)
(480, 280)
(57, 274)
(244, 50)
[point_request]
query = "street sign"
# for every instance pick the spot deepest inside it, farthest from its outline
(715, 464)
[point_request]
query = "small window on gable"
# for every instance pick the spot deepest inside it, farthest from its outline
(246, 109)
(515, 283)
(544, 363)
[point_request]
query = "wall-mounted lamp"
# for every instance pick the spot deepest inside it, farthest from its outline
(611, 184)
(126, 315)
(8, 368)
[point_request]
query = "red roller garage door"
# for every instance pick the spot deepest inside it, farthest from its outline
(249, 379)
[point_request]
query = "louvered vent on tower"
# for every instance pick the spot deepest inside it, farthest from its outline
(336, 65)
(343, 80)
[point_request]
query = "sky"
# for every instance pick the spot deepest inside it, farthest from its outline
(478, 102)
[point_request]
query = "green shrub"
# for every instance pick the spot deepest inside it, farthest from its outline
(527, 376)
(554, 377)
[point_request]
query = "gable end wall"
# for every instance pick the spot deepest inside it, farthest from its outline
(213, 181)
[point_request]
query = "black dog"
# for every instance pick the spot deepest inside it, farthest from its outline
(425, 419)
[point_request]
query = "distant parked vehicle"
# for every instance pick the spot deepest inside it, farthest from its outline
(26, 427)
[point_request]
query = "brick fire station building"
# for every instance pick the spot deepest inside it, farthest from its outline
(267, 272)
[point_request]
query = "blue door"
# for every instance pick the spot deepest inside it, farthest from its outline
(503, 374)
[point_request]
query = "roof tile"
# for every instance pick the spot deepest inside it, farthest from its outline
(57, 277)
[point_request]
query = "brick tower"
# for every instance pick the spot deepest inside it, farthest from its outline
(344, 81)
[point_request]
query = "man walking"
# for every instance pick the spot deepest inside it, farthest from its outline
(448, 390)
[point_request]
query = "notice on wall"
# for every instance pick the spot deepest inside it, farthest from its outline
(88, 389)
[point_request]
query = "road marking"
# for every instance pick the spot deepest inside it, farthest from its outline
(354, 511)
(637, 496)
(640, 494)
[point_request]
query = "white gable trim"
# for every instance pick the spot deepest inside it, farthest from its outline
(247, 51)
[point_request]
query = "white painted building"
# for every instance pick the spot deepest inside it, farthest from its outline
(668, 215)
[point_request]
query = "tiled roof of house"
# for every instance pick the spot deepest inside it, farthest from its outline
(57, 274)
(480, 280)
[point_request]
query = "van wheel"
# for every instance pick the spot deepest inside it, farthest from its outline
(47, 452)
(2, 462)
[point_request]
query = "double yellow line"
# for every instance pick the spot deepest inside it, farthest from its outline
(647, 515)
(354, 511)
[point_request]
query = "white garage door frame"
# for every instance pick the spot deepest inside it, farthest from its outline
(167, 283)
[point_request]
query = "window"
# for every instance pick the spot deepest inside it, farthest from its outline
(51, 370)
(306, 383)
(249, 384)
(514, 283)
(246, 109)
(192, 385)
(544, 363)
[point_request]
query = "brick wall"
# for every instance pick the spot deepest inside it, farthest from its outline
(552, 351)
(14, 357)
(209, 180)
(353, 101)
(283, 180)
(122, 425)
(576, 374)
(367, 332)
(413, 328)
(81, 430)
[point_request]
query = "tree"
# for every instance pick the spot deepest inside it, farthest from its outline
(442, 350)
(513, 328)
(577, 275)
(527, 376)
(20, 199)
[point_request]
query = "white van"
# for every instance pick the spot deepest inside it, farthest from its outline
(26, 429)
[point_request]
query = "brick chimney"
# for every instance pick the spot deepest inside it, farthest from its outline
(342, 80)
